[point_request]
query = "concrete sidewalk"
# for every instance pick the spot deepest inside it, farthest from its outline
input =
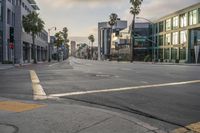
(62, 118)
(6, 66)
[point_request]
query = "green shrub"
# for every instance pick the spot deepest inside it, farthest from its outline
(147, 58)
(7, 62)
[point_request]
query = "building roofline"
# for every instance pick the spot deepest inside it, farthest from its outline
(178, 12)
(33, 4)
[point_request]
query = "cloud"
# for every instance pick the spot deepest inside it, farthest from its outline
(154, 9)
(80, 3)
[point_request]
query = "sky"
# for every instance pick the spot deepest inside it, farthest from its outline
(81, 17)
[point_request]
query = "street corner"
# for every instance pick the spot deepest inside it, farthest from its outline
(17, 106)
(192, 128)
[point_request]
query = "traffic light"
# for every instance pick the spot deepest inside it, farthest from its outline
(11, 34)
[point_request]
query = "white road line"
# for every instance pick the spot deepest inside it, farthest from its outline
(124, 89)
(38, 91)
(53, 64)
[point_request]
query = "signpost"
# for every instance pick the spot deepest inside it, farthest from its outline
(11, 44)
(196, 50)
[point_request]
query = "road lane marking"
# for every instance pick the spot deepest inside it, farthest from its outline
(195, 127)
(124, 89)
(38, 91)
(14, 106)
(34, 77)
(53, 64)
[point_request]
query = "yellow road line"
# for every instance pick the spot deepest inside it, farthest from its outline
(195, 128)
(14, 106)
(124, 89)
(38, 91)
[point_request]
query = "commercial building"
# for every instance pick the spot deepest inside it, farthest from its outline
(105, 38)
(11, 14)
(143, 43)
(73, 48)
(177, 36)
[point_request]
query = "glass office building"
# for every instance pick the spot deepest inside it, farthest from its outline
(1, 30)
(176, 35)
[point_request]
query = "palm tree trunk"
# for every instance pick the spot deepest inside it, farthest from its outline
(92, 50)
(110, 51)
(34, 49)
(132, 39)
(57, 54)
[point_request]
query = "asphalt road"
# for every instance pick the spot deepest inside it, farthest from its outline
(161, 95)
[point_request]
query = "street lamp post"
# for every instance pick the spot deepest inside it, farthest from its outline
(49, 42)
(153, 31)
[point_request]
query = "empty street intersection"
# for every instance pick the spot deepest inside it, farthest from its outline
(82, 96)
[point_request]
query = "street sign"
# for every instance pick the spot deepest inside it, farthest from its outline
(11, 45)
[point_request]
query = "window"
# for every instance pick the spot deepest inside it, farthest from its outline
(183, 37)
(161, 27)
(161, 40)
(168, 24)
(23, 5)
(175, 22)
(175, 38)
(183, 54)
(168, 39)
(193, 17)
(160, 53)
(166, 53)
(8, 16)
(174, 53)
(13, 2)
(13, 19)
(1, 11)
(183, 20)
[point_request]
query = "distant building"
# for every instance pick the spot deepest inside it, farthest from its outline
(105, 37)
(73, 48)
(177, 36)
(11, 12)
(121, 42)
(142, 47)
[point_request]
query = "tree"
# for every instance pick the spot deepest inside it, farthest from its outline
(59, 40)
(33, 25)
(66, 40)
(112, 22)
(91, 38)
(134, 10)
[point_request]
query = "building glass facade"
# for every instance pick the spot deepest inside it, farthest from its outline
(1, 30)
(183, 20)
(175, 38)
(176, 35)
(175, 22)
(168, 24)
(193, 17)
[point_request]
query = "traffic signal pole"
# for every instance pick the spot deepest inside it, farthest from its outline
(12, 45)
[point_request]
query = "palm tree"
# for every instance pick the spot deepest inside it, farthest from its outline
(91, 38)
(135, 10)
(66, 40)
(112, 22)
(58, 41)
(33, 25)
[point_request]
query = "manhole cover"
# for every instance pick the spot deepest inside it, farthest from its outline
(8, 128)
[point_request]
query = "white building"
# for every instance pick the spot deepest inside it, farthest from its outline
(11, 14)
